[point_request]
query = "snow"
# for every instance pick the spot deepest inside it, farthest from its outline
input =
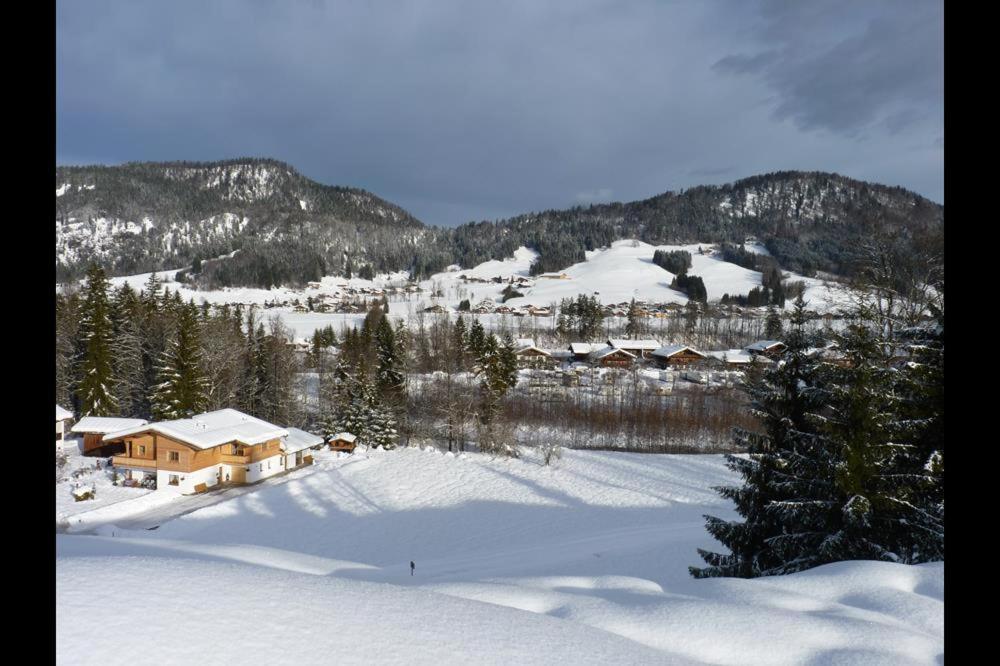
(634, 344)
(669, 350)
(63, 189)
(62, 413)
(299, 439)
(105, 424)
(581, 562)
(211, 429)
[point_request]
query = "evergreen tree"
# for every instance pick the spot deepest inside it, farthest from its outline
(634, 327)
(183, 389)
(96, 331)
(781, 397)
(773, 326)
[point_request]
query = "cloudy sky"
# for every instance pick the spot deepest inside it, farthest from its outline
(460, 110)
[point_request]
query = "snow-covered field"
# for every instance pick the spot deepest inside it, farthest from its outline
(614, 275)
(581, 562)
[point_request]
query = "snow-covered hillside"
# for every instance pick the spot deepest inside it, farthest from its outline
(583, 562)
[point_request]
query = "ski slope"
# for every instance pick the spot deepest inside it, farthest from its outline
(582, 562)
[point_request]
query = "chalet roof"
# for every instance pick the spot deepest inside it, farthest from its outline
(524, 342)
(522, 350)
(105, 424)
(344, 436)
(764, 345)
(206, 431)
(584, 347)
(298, 440)
(731, 355)
(63, 414)
(670, 350)
(603, 352)
(634, 344)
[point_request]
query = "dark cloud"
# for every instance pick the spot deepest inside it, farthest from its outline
(459, 110)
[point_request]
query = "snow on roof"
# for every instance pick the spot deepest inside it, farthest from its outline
(601, 352)
(105, 424)
(732, 355)
(63, 414)
(525, 342)
(764, 345)
(584, 347)
(206, 431)
(299, 439)
(634, 344)
(522, 350)
(344, 436)
(669, 350)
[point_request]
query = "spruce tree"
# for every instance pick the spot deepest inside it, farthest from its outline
(96, 332)
(781, 397)
(182, 390)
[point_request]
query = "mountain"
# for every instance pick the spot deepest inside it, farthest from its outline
(141, 217)
(273, 225)
(809, 221)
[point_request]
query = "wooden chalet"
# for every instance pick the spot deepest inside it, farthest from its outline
(677, 355)
(769, 348)
(94, 428)
(194, 454)
(611, 357)
(530, 356)
(343, 441)
(638, 348)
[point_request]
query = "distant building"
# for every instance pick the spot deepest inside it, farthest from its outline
(611, 357)
(677, 355)
(769, 348)
(638, 348)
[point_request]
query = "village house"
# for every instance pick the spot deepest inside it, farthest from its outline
(677, 355)
(63, 417)
(737, 358)
(530, 356)
(94, 428)
(638, 348)
(769, 348)
(193, 454)
(611, 357)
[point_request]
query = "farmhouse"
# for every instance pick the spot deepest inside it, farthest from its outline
(610, 357)
(94, 428)
(190, 455)
(343, 441)
(639, 348)
(674, 355)
(737, 358)
(295, 447)
(63, 417)
(769, 348)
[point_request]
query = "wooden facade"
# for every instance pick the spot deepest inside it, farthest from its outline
(619, 358)
(158, 452)
(342, 445)
(682, 358)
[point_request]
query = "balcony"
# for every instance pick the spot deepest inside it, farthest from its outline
(125, 461)
(239, 460)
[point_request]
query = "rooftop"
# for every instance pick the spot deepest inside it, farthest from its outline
(105, 424)
(206, 431)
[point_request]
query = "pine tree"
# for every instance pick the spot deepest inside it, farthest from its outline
(634, 326)
(182, 389)
(773, 326)
(781, 397)
(96, 331)
(389, 375)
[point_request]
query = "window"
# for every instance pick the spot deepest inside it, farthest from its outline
(142, 449)
(175, 456)
(269, 463)
(261, 467)
(173, 480)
